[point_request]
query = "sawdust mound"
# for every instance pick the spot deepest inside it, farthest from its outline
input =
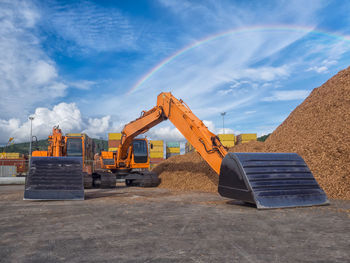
(187, 172)
(318, 130)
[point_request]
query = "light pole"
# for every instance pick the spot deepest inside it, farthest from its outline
(223, 121)
(31, 118)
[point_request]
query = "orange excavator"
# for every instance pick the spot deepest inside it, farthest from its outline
(134, 169)
(268, 180)
(69, 165)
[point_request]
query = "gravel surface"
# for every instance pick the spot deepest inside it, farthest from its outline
(159, 225)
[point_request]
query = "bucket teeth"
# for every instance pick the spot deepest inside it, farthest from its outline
(54, 178)
(269, 180)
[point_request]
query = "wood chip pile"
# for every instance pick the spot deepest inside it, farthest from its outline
(318, 130)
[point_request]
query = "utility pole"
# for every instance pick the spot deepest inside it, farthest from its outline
(31, 118)
(223, 121)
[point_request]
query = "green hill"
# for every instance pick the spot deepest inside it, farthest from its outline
(41, 145)
(263, 138)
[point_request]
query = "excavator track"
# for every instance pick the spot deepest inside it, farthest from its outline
(108, 180)
(142, 179)
(55, 178)
(88, 181)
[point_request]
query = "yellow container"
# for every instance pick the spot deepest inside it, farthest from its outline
(156, 148)
(113, 149)
(114, 136)
(157, 143)
(10, 155)
(226, 137)
(173, 150)
(246, 141)
(74, 134)
(247, 137)
(156, 155)
(228, 143)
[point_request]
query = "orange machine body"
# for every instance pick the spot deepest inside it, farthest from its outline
(109, 160)
(69, 145)
(206, 143)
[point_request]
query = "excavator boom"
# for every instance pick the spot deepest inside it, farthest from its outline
(268, 180)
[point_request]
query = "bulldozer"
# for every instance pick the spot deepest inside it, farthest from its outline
(266, 180)
(70, 165)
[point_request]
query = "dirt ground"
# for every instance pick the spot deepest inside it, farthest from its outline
(160, 225)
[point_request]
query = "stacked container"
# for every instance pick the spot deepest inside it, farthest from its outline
(189, 148)
(156, 151)
(227, 140)
(114, 141)
(172, 149)
(246, 137)
(12, 164)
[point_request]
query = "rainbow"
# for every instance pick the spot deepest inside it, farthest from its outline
(210, 38)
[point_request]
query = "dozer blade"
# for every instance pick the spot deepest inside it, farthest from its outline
(55, 178)
(269, 180)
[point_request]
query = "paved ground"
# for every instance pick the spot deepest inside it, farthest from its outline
(158, 225)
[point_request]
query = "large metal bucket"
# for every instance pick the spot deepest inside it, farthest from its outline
(55, 178)
(269, 180)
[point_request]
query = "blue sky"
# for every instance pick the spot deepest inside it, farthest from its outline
(92, 66)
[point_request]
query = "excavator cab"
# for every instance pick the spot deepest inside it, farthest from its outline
(74, 147)
(140, 152)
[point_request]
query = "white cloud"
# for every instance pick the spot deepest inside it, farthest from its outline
(262, 73)
(324, 66)
(27, 75)
(92, 27)
(66, 115)
(171, 133)
(97, 126)
(82, 84)
(43, 72)
(287, 95)
(322, 69)
(166, 133)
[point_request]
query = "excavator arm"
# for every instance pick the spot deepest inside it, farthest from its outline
(193, 129)
(268, 180)
(141, 125)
